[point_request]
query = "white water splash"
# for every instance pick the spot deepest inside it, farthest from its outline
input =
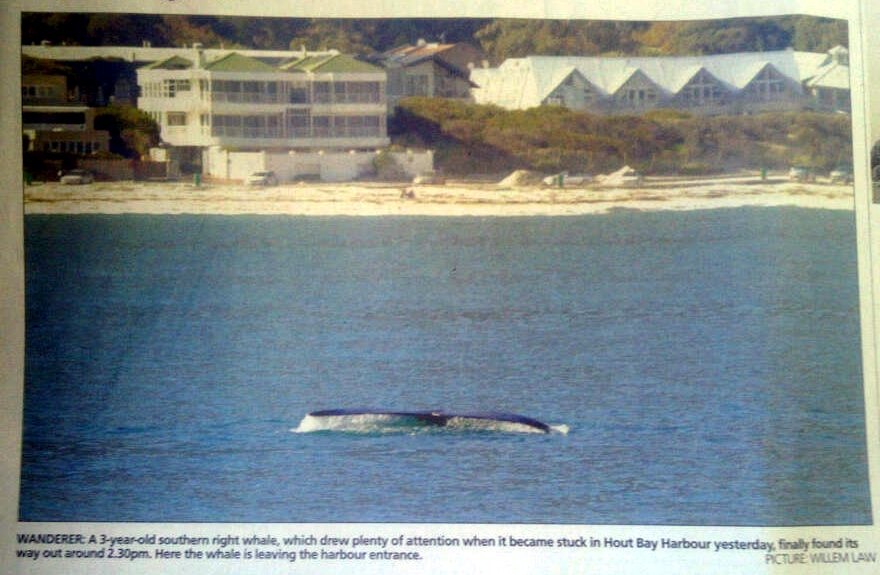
(391, 423)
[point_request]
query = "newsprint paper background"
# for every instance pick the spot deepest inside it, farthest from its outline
(140, 547)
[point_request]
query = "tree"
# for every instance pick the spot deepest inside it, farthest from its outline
(818, 34)
(506, 38)
(132, 131)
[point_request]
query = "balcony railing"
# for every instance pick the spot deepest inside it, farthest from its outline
(247, 98)
(365, 98)
(239, 132)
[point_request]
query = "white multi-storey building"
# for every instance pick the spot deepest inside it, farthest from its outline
(312, 102)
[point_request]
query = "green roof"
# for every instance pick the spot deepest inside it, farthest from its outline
(235, 62)
(334, 63)
(172, 63)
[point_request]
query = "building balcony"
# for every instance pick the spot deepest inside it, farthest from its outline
(246, 98)
(293, 142)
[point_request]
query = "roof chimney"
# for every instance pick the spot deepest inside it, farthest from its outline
(200, 55)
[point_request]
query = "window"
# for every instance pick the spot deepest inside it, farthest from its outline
(637, 97)
(299, 93)
(226, 126)
(298, 123)
(321, 126)
(176, 118)
(356, 126)
(417, 85)
(226, 91)
(171, 87)
(322, 92)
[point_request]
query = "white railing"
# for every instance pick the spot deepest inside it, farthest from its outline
(247, 98)
(357, 98)
(245, 132)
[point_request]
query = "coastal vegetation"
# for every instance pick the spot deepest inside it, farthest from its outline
(132, 131)
(474, 139)
(498, 38)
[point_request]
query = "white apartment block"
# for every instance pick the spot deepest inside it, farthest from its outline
(310, 102)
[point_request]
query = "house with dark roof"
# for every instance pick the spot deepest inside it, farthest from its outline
(54, 121)
(712, 84)
(429, 69)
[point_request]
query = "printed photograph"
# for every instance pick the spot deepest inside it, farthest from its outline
(298, 270)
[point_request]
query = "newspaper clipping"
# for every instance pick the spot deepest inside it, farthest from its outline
(461, 287)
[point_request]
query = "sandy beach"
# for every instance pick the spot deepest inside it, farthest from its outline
(451, 199)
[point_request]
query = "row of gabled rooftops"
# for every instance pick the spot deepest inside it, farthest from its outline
(332, 62)
(404, 55)
(216, 59)
(526, 82)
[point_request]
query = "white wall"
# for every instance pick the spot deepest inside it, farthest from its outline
(220, 163)
(292, 166)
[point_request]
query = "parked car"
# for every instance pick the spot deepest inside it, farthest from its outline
(841, 175)
(77, 177)
(801, 174)
(262, 179)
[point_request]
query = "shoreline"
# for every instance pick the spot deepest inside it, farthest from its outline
(451, 199)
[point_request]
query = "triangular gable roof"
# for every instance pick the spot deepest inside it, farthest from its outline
(560, 77)
(759, 69)
(628, 75)
(333, 63)
(303, 64)
(686, 75)
(172, 63)
(743, 75)
(408, 55)
(545, 86)
(670, 74)
(235, 62)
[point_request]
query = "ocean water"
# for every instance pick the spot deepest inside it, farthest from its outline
(706, 365)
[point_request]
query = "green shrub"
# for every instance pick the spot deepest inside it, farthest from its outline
(475, 139)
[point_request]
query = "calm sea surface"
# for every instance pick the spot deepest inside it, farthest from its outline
(707, 364)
